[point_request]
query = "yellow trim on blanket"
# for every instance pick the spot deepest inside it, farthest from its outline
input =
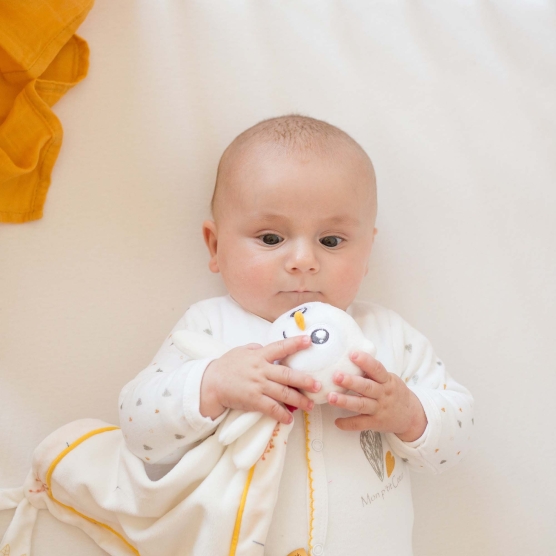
(58, 459)
(235, 536)
(310, 477)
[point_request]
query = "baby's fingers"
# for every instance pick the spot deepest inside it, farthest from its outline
(288, 377)
(356, 423)
(276, 351)
(289, 396)
(373, 368)
(273, 409)
(357, 404)
(361, 385)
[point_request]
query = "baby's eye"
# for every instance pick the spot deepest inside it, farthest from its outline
(331, 241)
(271, 239)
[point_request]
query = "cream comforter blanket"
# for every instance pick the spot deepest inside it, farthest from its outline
(84, 475)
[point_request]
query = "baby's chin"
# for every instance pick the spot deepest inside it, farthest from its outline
(284, 301)
(289, 300)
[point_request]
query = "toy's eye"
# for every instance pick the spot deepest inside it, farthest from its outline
(303, 310)
(320, 336)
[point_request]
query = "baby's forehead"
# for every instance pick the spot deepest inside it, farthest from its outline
(287, 190)
(262, 180)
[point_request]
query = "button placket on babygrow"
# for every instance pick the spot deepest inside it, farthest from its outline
(318, 550)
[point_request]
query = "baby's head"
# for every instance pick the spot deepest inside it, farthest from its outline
(294, 209)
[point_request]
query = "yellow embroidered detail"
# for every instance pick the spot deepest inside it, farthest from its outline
(390, 463)
(310, 477)
(237, 527)
(6, 551)
(58, 459)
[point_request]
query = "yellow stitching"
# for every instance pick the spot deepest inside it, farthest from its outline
(310, 477)
(58, 459)
(235, 536)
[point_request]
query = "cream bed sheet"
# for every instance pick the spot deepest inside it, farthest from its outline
(454, 101)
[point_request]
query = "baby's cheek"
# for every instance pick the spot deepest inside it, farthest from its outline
(259, 274)
(253, 280)
(344, 283)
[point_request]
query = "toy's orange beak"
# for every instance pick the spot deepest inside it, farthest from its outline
(299, 319)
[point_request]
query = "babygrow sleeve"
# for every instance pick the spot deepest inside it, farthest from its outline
(448, 406)
(159, 408)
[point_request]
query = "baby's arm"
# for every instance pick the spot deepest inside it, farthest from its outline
(425, 415)
(448, 407)
(159, 408)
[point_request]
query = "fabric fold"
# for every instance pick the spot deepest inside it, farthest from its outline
(40, 60)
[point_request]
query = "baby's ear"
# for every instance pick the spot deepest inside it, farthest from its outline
(210, 235)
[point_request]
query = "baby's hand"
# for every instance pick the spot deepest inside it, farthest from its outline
(246, 378)
(384, 403)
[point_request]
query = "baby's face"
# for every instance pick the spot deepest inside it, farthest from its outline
(293, 230)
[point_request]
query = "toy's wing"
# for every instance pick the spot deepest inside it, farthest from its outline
(251, 445)
(235, 424)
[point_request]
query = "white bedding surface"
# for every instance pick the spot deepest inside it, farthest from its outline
(453, 101)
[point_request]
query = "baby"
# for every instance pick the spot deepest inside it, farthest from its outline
(294, 211)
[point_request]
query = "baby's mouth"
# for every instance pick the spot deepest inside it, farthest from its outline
(300, 291)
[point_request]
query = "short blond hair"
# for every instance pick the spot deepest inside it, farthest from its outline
(294, 134)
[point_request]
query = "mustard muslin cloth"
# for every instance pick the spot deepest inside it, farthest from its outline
(40, 59)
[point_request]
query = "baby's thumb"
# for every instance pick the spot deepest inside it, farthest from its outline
(253, 346)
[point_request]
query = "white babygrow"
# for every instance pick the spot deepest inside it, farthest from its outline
(340, 492)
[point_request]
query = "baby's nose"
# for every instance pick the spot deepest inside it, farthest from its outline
(303, 259)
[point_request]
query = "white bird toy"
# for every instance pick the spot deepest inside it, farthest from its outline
(334, 335)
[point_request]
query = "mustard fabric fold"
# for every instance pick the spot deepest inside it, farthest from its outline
(41, 58)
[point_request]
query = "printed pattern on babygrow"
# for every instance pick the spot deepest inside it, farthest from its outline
(158, 426)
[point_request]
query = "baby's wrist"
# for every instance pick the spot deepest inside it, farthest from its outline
(209, 405)
(418, 422)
